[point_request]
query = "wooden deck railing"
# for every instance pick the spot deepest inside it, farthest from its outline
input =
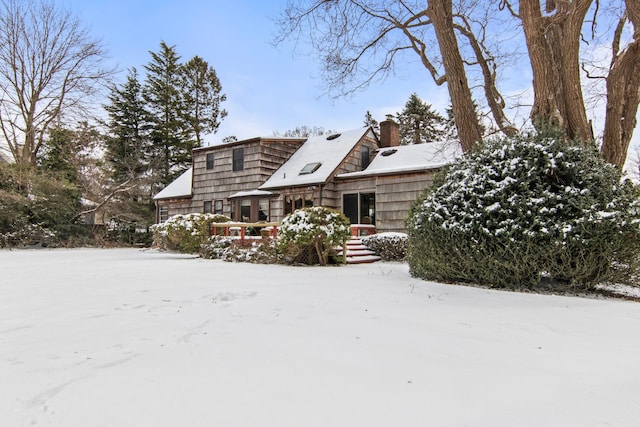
(239, 229)
(270, 229)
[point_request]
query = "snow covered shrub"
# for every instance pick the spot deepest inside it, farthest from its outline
(185, 233)
(316, 229)
(262, 251)
(215, 247)
(523, 208)
(390, 246)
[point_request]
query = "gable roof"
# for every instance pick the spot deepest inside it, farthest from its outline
(410, 158)
(327, 150)
(181, 187)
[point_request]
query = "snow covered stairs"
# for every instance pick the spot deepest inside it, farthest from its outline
(357, 253)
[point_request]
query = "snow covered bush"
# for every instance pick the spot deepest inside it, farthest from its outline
(258, 252)
(390, 246)
(525, 208)
(185, 233)
(317, 230)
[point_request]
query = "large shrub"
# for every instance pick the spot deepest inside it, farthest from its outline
(36, 207)
(185, 233)
(316, 230)
(523, 209)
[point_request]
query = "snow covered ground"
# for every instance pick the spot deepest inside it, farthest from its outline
(126, 337)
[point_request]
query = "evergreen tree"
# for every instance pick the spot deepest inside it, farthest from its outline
(201, 98)
(71, 153)
(128, 152)
(370, 121)
(171, 139)
(419, 122)
(127, 144)
(60, 150)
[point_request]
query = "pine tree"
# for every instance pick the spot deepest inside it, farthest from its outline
(371, 122)
(201, 98)
(419, 122)
(127, 144)
(59, 153)
(171, 139)
(129, 153)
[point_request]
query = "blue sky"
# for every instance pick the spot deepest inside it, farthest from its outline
(268, 89)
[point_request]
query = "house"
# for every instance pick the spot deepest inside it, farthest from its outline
(224, 178)
(370, 178)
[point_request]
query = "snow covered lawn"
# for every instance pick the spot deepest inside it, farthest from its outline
(126, 337)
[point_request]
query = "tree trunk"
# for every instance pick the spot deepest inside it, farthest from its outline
(467, 124)
(553, 43)
(623, 95)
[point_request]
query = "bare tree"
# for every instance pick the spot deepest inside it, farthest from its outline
(553, 42)
(366, 38)
(469, 130)
(304, 131)
(554, 35)
(49, 67)
(623, 89)
(452, 39)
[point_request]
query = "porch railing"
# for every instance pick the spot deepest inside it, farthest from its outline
(257, 230)
(239, 229)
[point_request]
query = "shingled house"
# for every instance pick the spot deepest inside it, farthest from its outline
(370, 178)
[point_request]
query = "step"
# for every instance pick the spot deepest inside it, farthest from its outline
(363, 259)
(357, 253)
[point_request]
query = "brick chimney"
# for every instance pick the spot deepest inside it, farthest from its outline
(389, 133)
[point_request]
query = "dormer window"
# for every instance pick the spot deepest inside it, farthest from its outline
(310, 168)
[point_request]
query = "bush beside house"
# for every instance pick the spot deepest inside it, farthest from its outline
(522, 210)
(314, 231)
(389, 246)
(185, 233)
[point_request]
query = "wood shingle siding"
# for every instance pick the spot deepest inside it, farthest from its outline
(394, 196)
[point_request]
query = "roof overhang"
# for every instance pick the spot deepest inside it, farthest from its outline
(251, 193)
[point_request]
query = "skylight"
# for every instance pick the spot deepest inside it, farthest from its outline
(310, 168)
(388, 152)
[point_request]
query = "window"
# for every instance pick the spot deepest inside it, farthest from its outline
(163, 214)
(207, 207)
(217, 207)
(297, 201)
(360, 208)
(245, 210)
(238, 159)
(365, 157)
(263, 210)
(310, 168)
(209, 161)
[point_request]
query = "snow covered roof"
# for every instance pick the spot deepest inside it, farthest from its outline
(326, 150)
(181, 187)
(410, 158)
(250, 193)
